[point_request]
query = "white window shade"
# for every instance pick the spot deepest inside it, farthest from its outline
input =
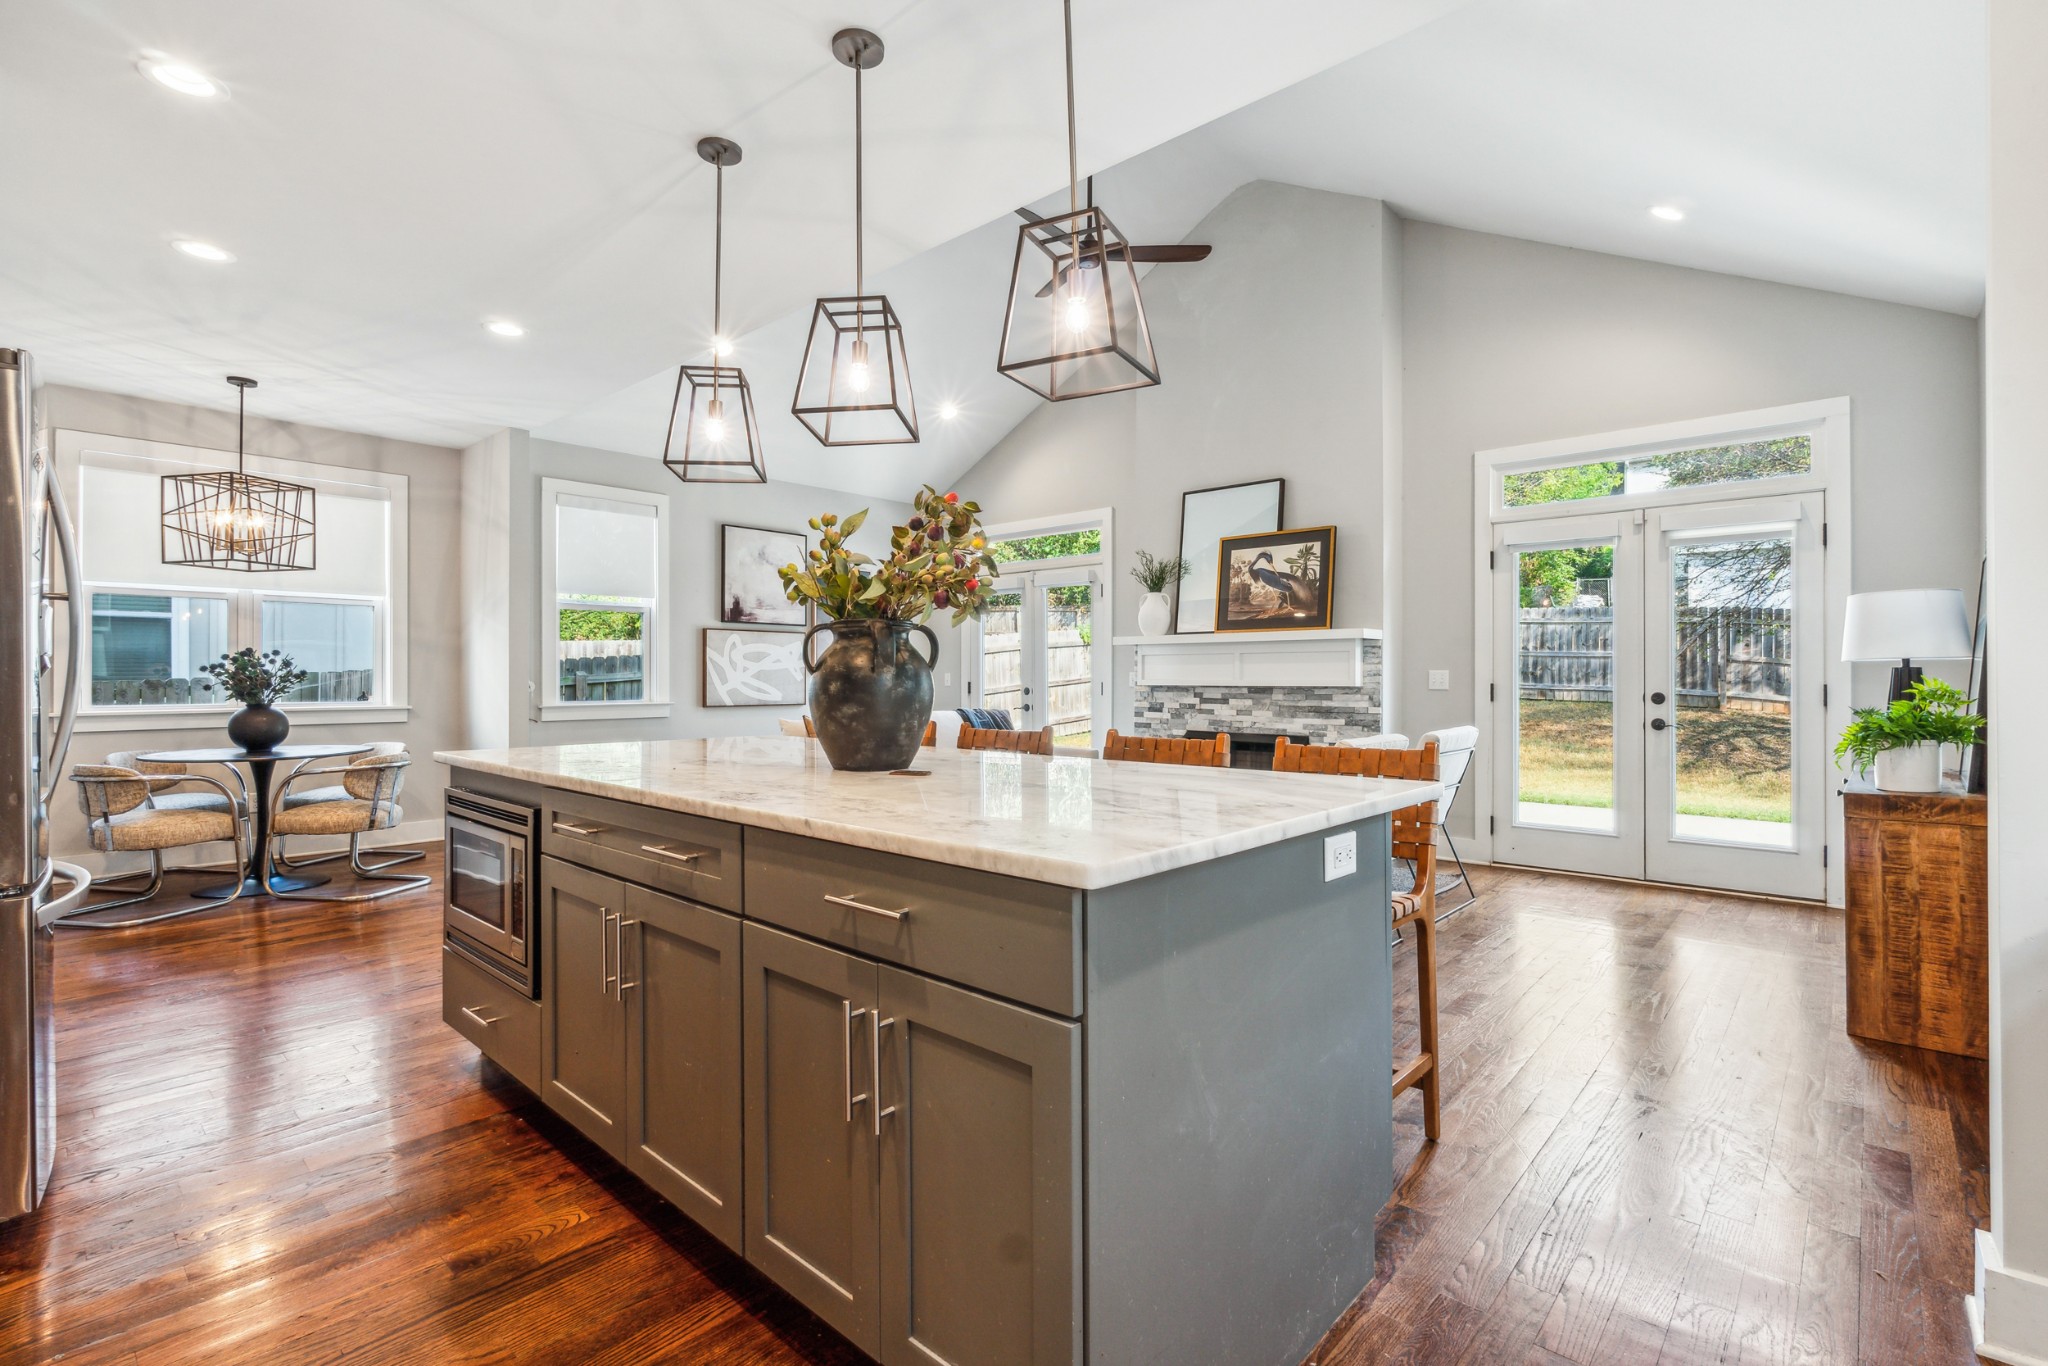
(121, 518)
(605, 548)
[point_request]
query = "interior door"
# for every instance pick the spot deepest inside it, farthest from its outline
(1735, 764)
(1568, 696)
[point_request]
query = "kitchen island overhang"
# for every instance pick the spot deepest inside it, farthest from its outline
(1052, 1060)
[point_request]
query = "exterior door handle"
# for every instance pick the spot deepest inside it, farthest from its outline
(1658, 723)
(1657, 699)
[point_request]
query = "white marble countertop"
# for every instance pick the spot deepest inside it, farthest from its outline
(1073, 822)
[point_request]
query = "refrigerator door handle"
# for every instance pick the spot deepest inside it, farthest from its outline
(74, 631)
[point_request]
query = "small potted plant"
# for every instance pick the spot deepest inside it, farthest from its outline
(871, 691)
(1157, 574)
(257, 681)
(1903, 741)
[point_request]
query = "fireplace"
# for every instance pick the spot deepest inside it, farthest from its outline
(1252, 750)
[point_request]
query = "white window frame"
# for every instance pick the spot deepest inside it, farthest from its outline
(655, 622)
(1825, 420)
(73, 451)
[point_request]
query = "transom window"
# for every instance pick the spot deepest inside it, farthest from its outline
(154, 626)
(1696, 467)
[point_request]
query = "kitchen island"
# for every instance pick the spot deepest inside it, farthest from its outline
(1007, 1059)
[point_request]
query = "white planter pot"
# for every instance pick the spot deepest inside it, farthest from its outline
(1155, 614)
(1916, 768)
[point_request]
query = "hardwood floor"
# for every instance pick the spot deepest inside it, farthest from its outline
(1659, 1146)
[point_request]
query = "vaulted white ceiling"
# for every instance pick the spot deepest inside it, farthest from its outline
(393, 172)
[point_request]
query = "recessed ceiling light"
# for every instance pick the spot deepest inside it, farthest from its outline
(204, 251)
(501, 328)
(1670, 213)
(948, 411)
(179, 76)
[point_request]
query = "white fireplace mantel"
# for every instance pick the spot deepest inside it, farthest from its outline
(1253, 659)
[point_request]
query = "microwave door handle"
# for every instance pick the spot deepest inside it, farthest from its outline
(74, 600)
(516, 913)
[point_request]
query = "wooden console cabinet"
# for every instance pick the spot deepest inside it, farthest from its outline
(1916, 934)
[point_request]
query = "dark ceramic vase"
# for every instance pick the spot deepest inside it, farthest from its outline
(259, 727)
(871, 692)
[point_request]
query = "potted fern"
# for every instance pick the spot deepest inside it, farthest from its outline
(1903, 741)
(1157, 574)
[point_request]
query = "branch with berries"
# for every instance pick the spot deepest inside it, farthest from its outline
(938, 561)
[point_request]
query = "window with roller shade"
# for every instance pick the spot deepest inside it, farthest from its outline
(605, 563)
(154, 625)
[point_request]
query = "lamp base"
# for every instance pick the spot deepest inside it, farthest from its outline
(1903, 678)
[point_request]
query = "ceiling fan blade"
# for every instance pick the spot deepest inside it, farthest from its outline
(1180, 253)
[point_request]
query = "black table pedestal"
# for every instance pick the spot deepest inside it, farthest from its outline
(259, 818)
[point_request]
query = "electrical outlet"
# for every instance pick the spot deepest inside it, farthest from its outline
(949, 680)
(1340, 855)
(1439, 680)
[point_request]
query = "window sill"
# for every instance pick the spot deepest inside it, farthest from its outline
(214, 718)
(604, 711)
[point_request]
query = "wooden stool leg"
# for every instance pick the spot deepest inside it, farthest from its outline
(1425, 1009)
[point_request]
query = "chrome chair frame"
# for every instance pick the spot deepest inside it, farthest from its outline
(101, 813)
(385, 794)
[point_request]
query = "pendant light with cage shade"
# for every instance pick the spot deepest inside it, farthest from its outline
(720, 442)
(854, 387)
(1075, 325)
(231, 519)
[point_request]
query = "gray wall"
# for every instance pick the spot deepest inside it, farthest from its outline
(433, 606)
(1510, 342)
(1272, 354)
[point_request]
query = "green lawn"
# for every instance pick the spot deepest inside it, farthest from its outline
(1736, 764)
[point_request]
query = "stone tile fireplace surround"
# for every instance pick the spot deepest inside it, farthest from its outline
(1329, 708)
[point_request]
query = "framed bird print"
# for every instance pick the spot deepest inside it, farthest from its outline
(1276, 581)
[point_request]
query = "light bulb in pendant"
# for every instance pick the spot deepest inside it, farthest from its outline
(857, 377)
(714, 421)
(721, 347)
(1080, 317)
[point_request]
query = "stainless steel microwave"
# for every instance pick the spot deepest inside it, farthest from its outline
(489, 909)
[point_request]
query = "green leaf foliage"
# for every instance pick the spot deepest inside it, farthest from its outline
(1933, 712)
(938, 560)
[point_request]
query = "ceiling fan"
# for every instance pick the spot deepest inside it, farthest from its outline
(1089, 256)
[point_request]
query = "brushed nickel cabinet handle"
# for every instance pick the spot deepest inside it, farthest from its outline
(875, 1069)
(619, 955)
(485, 1020)
(852, 1013)
(678, 855)
(851, 904)
(562, 827)
(605, 975)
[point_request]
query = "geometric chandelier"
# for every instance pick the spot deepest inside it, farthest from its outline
(220, 519)
(719, 445)
(1075, 325)
(853, 388)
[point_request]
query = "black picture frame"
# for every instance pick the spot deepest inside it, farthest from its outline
(1976, 758)
(1312, 595)
(734, 598)
(1199, 570)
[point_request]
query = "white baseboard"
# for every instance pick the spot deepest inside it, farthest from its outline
(221, 854)
(2009, 1313)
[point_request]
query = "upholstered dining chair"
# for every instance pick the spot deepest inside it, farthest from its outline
(362, 797)
(122, 816)
(1009, 741)
(170, 787)
(1414, 842)
(1168, 749)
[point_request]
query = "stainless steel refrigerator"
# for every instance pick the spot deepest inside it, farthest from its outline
(34, 889)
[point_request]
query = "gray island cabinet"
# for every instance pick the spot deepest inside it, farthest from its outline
(1014, 1060)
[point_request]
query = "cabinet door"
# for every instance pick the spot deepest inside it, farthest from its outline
(583, 1022)
(980, 1182)
(681, 984)
(810, 1138)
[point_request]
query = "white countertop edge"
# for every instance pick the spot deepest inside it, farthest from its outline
(1388, 795)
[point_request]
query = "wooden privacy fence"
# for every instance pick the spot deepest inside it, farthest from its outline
(1738, 657)
(336, 685)
(602, 670)
(1068, 669)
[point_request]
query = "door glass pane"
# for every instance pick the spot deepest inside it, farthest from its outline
(1002, 654)
(336, 642)
(1786, 455)
(1069, 665)
(1564, 646)
(147, 648)
(1731, 713)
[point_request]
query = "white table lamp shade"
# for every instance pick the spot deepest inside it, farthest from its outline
(1913, 623)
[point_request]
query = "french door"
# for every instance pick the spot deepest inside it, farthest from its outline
(1659, 678)
(1041, 658)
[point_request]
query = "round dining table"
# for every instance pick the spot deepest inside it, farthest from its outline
(260, 763)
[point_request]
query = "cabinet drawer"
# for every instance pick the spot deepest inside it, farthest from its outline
(494, 1016)
(1003, 935)
(666, 850)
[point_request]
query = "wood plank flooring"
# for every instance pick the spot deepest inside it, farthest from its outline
(1659, 1146)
